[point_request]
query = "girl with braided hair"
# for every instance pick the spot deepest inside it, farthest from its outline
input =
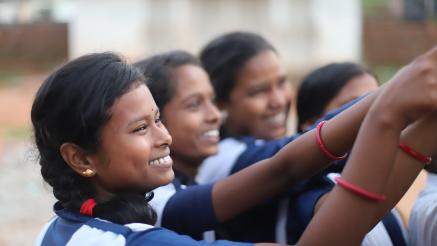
(103, 148)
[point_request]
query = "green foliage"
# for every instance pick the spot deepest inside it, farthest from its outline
(384, 73)
(9, 78)
(373, 7)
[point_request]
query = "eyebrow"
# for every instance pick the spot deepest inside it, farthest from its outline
(142, 117)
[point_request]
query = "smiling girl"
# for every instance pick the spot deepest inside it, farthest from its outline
(103, 148)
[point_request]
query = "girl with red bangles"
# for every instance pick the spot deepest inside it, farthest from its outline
(182, 91)
(115, 150)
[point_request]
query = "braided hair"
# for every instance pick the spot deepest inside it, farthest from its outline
(72, 105)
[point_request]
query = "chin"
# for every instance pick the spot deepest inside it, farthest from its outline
(167, 179)
(209, 152)
(275, 135)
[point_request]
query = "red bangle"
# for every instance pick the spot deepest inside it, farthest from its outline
(322, 145)
(416, 155)
(87, 207)
(359, 191)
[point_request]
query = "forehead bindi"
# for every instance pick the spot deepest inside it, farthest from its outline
(135, 104)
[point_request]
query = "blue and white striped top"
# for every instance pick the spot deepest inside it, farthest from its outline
(72, 228)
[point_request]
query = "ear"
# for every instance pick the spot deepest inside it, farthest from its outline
(76, 158)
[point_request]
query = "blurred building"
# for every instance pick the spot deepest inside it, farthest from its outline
(306, 32)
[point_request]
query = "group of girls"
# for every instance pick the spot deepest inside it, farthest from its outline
(123, 167)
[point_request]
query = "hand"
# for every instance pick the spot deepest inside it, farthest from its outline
(412, 92)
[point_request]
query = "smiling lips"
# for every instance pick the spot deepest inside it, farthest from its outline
(211, 133)
(210, 137)
(165, 161)
(278, 119)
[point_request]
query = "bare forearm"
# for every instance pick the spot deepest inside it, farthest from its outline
(338, 135)
(342, 204)
(420, 137)
(299, 160)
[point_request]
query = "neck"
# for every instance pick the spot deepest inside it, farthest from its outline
(187, 166)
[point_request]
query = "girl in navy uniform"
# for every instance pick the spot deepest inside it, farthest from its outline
(182, 91)
(321, 91)
(251, 87)
(329, 87)
(103, 148)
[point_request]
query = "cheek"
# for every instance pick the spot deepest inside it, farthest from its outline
(183, 134)
(255, 107)
(186, 125)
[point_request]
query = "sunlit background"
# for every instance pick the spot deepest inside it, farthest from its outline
(36, 36)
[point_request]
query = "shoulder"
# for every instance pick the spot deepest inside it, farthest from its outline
(89, 231)
(161, 196)
(164, 237)
(423, 222)
(219, 166)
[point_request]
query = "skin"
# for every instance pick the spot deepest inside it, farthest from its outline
(417, 82)
(354, 88)
(131, 139)
(260, 101)
(192, 119)
(386, 115)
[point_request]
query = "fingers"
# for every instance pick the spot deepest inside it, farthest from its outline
(414, 88)
(432, 53)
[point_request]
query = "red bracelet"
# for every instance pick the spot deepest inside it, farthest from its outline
(87, 207)
(322, 145)
(416, 155)
(359, 191)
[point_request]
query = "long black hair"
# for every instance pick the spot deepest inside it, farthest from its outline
(320, 86)
(159, 71)
(224, 57)
(72, 105)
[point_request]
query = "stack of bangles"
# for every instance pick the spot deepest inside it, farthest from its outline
(353, 188)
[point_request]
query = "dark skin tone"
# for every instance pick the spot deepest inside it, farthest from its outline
(192, 119)
(379, 120)
(280, 172)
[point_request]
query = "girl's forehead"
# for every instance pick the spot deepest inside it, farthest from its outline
(137, 101)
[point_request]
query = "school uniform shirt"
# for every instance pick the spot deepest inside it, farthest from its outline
(238, 152)
(267, 220)
(72, 228)
(186, 208)
(283, 219)
(423, 219)
(389, 231)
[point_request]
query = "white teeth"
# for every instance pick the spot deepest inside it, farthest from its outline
(276, 119)
(212, 133)
(166, 160)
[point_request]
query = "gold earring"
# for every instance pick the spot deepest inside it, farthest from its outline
(88, 173)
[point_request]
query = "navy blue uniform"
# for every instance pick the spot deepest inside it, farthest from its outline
(72, 228)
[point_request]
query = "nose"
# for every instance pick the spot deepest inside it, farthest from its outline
(161, 136)
(213, 114)
(278, 98)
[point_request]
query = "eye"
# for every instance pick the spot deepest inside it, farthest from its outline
(140, 129)
(194, 104)
(158, 121)
(282, 82)
(258, 90)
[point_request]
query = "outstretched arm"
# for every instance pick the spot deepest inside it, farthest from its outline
(372, 159)
(298, 160)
